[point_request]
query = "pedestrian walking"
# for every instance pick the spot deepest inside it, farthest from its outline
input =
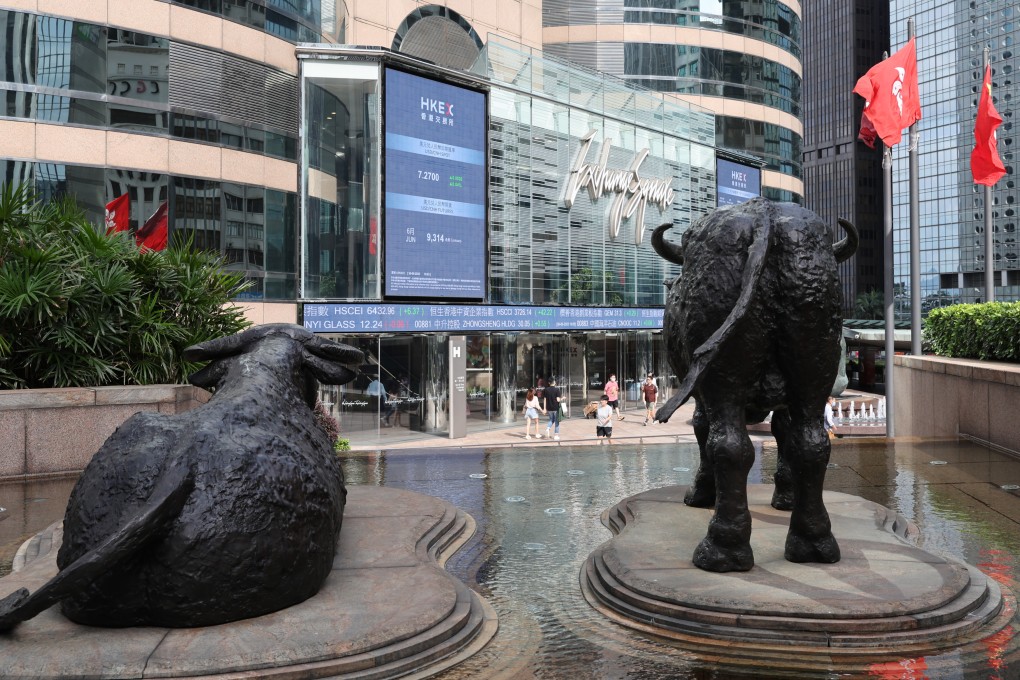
(551, 394)
(649, 392)
(612, 391)
(531, 408)
(604, 420)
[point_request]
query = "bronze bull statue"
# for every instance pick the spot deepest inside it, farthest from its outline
(224, 512)
(753, 325)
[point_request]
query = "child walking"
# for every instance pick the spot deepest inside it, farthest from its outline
(531, 409)
(604, 420)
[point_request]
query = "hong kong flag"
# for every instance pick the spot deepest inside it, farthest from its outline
(118, 214)
(153, 234)
(985, 164)
(890, 93)
(867, 132)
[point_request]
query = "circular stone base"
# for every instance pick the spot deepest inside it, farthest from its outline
(388, 609)
(884, 595)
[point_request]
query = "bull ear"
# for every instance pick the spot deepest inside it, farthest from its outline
(328, 372)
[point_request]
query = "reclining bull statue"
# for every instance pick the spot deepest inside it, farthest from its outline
(224, 512)
(753, 325)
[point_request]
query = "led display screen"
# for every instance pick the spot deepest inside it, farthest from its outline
(435, 189)
(384, 317)
(736, 183)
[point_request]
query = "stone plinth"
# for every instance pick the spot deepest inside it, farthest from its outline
(884, 595)
(388, 608)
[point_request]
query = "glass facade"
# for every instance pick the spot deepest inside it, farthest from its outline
(698, 70)
(772, 22)
(542, 251)
(56, 70)
(294, 20)
(950, 43)
(253, 227)
(842, 176)
(62, 71)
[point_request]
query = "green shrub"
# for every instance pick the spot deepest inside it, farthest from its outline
(978, 331)
(79, 307)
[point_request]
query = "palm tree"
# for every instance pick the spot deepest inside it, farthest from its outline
(79, 307)
(870, 305)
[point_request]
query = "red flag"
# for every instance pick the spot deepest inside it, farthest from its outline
(153, 234)
(867, 132)
(890, 92)
(985, 164)
(118, 214)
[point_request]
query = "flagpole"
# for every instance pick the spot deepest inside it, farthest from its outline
(989, 243)
(915, 232)
(890, 290)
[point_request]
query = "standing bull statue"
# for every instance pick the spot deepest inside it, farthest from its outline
(224, 512)
(752, 325)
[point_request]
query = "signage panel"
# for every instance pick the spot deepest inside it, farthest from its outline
(435, 189)
(736, 182)
(383, 317)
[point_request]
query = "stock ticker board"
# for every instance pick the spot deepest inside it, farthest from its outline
(435, 189)
(384, 317)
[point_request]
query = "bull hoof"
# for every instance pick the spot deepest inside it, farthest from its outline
(8, 606)
(782, 500)
(700, 496)
(710, 557)
(824, 550)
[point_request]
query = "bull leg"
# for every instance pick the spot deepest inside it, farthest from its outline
(782, 496)
(702, 492)
(810, 537)
(727, 547)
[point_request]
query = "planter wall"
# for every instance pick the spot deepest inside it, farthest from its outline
(57, 431)
(938, 397)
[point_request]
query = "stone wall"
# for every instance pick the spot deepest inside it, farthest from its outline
(55, 431)
(938, 397)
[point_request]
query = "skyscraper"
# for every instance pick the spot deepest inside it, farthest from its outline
(950, 42)
(842, 176)
(740, 60)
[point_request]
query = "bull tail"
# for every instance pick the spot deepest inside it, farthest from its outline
(844, 250)
(757, 256)
(165, 504)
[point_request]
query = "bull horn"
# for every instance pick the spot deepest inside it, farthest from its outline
(334, 351)
(844, 250)
(667, 250)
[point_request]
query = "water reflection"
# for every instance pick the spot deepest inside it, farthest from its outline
(526, 559)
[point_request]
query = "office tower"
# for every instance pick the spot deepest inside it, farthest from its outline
(951, 39)
(842, 176)
(740, 60)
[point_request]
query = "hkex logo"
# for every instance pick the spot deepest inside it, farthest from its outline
(436, 106)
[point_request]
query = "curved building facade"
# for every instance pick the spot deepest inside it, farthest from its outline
(419, 180)
(189, 109)
(740, 60)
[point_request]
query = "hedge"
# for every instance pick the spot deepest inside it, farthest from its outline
(990, 330)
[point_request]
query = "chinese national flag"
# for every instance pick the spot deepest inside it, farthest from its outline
(153, 234)
(118, 214)
(890, 92)
(985, 164)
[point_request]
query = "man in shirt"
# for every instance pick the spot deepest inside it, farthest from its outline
(649, 393)
(551, 395)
